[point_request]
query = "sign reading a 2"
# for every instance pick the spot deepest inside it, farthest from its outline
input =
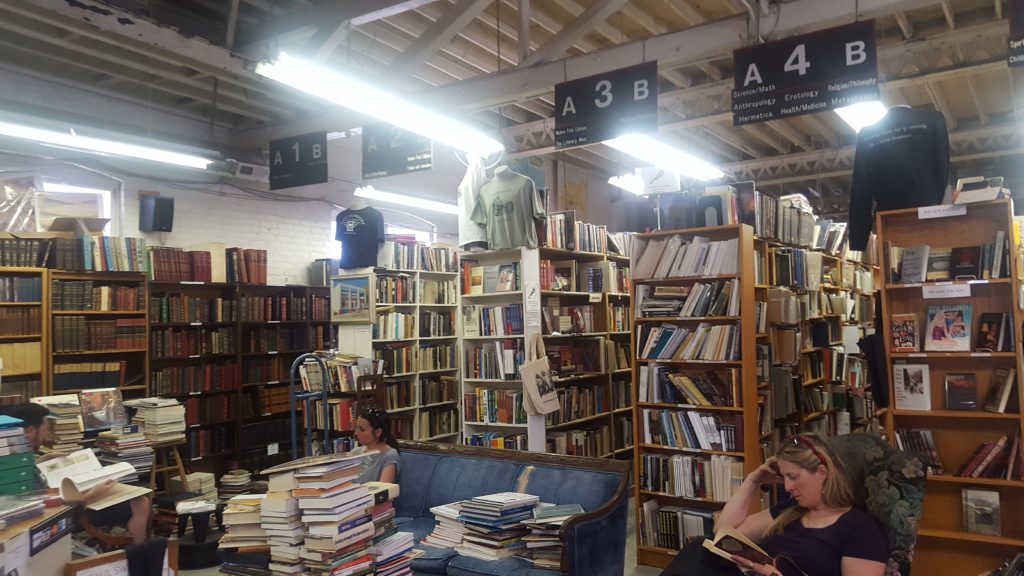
(804, 74)
(388, 150)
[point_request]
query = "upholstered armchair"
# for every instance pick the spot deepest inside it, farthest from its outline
(890, 485)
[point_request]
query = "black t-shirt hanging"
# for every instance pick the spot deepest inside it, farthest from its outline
(360, 231)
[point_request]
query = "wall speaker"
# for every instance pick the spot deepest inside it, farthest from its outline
(156, 213)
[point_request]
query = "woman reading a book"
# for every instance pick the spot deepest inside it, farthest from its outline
(816, 532)
(373, 431)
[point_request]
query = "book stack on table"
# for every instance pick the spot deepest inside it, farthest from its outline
(242, 519)
(448, 531)
(543, 545)
(494, 524)
(162, 419)
(127, 444)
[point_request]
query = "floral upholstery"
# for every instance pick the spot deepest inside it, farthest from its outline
(890, 485)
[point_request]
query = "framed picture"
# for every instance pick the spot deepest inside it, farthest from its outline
(352, 299)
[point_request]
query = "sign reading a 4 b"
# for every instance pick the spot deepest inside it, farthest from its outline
(298, 161)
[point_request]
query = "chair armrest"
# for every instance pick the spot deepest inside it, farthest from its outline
(594, 543)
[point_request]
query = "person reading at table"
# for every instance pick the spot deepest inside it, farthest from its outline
(133, 515)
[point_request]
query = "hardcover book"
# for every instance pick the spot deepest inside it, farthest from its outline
(1000, 389)
(938, 266)
(903, 333)
(965, 262)
(914, 264)
(913, 386)
(993, 331)
(948, 328)
(961, 392)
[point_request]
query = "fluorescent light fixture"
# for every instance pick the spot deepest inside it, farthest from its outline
(628, 182)
(101, 146)
(409, 201)
(664, 156)
(363, 97)
(862, 114)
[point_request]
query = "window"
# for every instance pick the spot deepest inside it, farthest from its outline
(56, 200)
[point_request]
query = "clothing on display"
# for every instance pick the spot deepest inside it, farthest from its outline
(508, 207)
(901, 162)
(471, 234)
(360, 230)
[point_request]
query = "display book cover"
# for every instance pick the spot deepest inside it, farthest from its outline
(1001, 390)
(912, 383)
(903, 333)
(995, 333)
(948, 328)
(982, 511)
(961, 391)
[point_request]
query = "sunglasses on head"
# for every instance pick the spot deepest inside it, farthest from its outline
(801, 439)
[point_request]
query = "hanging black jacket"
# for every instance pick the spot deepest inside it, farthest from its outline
(902, 162)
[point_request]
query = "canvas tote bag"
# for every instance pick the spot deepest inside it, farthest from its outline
(540, 396)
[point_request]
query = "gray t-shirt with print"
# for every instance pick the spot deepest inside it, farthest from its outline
(376, 462)
(507, 207)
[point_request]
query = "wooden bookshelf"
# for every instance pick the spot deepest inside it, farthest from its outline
(744, 387)
(24, 344)
(944, 545)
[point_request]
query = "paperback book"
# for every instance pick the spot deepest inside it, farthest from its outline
(961, 392)
(949, 328)
(903, 332)
(912, 385)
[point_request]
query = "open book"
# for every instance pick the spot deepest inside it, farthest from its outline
(729, 542)
(81, 470)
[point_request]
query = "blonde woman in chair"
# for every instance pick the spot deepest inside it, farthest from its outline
(816, 532)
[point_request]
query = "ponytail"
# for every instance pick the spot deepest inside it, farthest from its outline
(379, 420)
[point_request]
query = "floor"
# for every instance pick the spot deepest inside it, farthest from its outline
(631, 568)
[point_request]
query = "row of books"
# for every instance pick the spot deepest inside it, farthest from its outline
(395, 288)
(183, 308)
(682, 256)
(274, 308)
(394, 326)
(200, 442)
(439, 421)
(490, 279)
(913, 389)
(712, 342)
(114, 254)
(950, 329)
(487, 405)
(167, 264)
(696, 477)
(206, 378)
(430, 357)
(593, 440)
(999, 459)
(273, 339)
(83, 375)
(21, 288)
(77, 334)
(439, 258)
(577, 402)
(272, 400)
(185, 343)
(577, 356)
(917, 264)
(21, 357)
(398, 252)
(692, 429)
(264, 370)
(400, 394)
(559, 319)
(218, 408)
(563, 231)
(503, 320)
(437, 324)
(500, 440)
(494, 360)
(719, 298)
(433, 391)
(671, 527)
(439, 291)
(21, 321)
(663, 385)
(77, 295)
(246, 266)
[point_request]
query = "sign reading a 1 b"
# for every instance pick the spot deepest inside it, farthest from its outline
(388, 150)
(805, 74)
(601, 107)
(298, 161)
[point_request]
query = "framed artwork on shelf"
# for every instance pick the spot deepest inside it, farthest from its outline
(352, 299)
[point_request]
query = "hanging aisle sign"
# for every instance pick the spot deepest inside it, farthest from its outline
(388, 150)
(298, 161)
(1015, 54)
(597, 108)
(805, 74)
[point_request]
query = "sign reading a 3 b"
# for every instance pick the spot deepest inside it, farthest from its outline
(298, 161)
(603, 106)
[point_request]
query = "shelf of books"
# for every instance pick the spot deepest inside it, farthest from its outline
(815, 301)
(499, 298)
(694, 364)
(24, 331)
(585, 325)
(99, 332)
(951, 305)
(411, 325)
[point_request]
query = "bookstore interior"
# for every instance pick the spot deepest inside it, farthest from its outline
(483, 287)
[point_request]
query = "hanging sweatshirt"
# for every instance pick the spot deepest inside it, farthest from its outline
(901, 162)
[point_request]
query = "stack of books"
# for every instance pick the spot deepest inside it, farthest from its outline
(282, 521)
(12, 437)
(543, 546)
(14, 509)
(448, 531)
(235, 483)
(16, 458)
(242, 520)
(393, 556)
(126, 444)
(382, 514)
(202, 483)
(162, 419)
(495, 524)
(64, 423)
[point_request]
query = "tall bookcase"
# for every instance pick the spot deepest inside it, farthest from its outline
(24, 331)
(414, 329)
(99, 332)
(654, 460)
(944, 545)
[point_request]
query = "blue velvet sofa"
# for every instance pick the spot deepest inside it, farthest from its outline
(593, 543)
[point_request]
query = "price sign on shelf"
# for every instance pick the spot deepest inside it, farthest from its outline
(805, 74)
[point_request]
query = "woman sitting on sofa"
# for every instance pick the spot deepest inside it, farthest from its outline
(373, 431)
(816, 532)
